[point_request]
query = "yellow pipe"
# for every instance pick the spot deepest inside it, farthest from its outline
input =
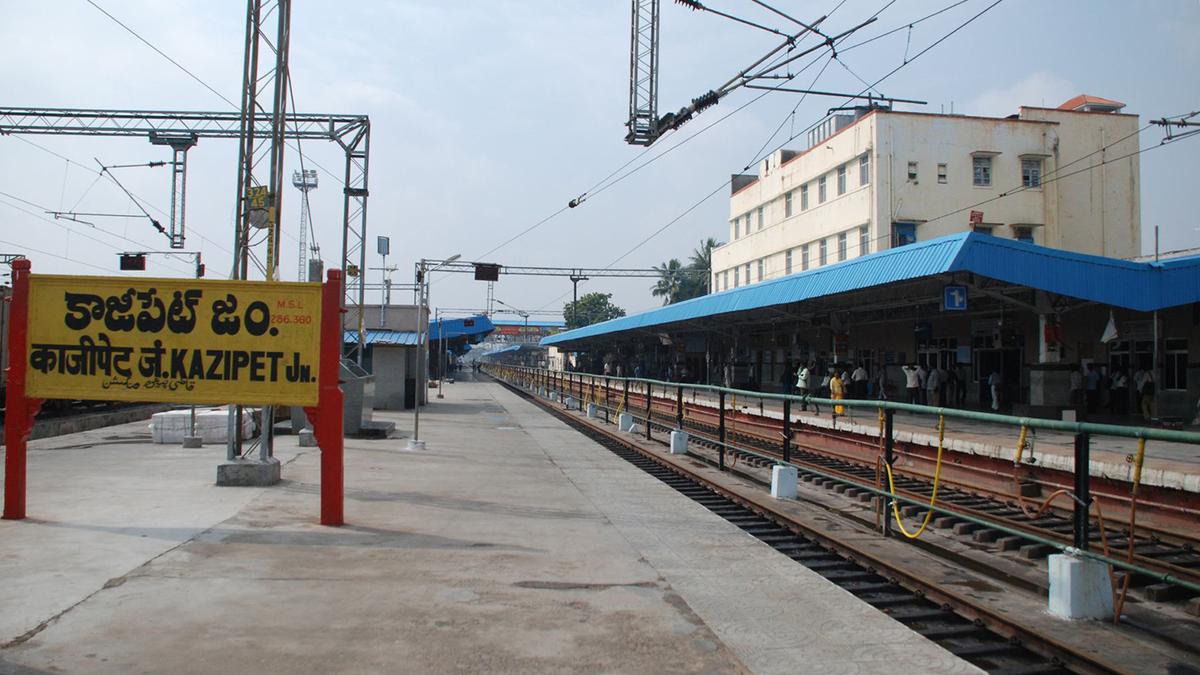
(937, 472)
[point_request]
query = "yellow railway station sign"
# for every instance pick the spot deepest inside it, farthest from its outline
(173, 340)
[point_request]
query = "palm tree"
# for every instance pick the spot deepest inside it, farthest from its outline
(669, 282)
(700, 266)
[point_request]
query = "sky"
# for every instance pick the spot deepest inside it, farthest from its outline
(488, 117)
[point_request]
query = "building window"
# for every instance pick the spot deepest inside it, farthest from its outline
(725, 284)
(804, 258)
(804, 197)
(942, 173)
(748, 282)
(912, 171)
(1175, 365)
(841, 179)
(982, 171)
(787, 262)
(903, 234)
(864, 240)
(864, 170)
(737, 277)
(737, 227)
(821, 190)
(841, 246)
(1023, 233)
(1031, 173)
(822, 252)
(787, 204)
(760, 269)
(760, 217)
(983, 229)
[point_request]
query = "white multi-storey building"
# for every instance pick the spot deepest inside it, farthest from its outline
(1065, 177)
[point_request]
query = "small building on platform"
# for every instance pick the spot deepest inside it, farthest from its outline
(981, 309)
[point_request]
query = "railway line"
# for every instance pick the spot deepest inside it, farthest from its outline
(1164, 535)
(1006, 524)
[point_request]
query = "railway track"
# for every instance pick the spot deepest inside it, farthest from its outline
(855, 468)
(973, 632)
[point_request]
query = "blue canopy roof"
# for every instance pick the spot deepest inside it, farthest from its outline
(1141, 286)
(470, 327)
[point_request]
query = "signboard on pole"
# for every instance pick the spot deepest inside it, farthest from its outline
(976, 218)
(954, 298)
(173, 340)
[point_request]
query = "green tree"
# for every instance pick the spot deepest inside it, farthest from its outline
(670, 281)
(698, 271)
(589, 309)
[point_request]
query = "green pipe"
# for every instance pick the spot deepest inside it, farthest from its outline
(1031, 422)
(1131, 567)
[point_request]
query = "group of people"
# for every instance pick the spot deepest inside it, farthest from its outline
(1094, 390)
(939, 386)
(838, 382)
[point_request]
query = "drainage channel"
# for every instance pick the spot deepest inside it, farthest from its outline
(967, 639)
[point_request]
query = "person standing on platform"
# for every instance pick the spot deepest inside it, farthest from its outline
(881, 383)
(803, 378)
(1119, 393)
(858, 382)
(951, 387)
(1092, 380)
(837, 392)
(1147, 395)
(788, 379)
(1076, 387)
(912, 383)
(995, 384)
(932, 383)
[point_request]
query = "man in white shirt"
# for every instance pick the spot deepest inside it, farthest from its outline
(912, 382)
(858, 382)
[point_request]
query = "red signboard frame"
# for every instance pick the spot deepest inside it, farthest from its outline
(326, 417)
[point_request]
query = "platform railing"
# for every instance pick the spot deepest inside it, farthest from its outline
(576, 385)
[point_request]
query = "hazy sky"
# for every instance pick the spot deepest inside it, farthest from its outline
(489, 116)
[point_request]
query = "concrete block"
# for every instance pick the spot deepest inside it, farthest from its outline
(415, 444)
(593, 411)
(554, 396)
(624, 421)
(1164, 592)
(307, 439)
(571, 402)
(679, 443)
(248, 473)
(1079, 588)
(783, 482)
(986, 536)
(635, 429)
(1009, 543)
(1069, 415)
(193, 441)
(1037, 552)
(212, 425)
(966, 528)
(1193, 607)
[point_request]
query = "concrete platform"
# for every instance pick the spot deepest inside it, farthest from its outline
(512, 544)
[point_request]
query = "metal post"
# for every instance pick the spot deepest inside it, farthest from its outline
(787, 430)
(1083, 497)
(441, 353)
(625, 397)
(679, 407)
(648, 397)
(889, 445)
(415, 443)
(721, 432)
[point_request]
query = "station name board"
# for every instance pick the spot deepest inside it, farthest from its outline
(173, 340)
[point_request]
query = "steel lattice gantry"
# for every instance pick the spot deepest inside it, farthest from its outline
(351, 132)
(643, 74)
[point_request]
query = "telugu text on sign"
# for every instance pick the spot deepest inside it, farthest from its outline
(173, 340)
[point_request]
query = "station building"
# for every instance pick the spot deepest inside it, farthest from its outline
(967, 302)
(874, 179)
